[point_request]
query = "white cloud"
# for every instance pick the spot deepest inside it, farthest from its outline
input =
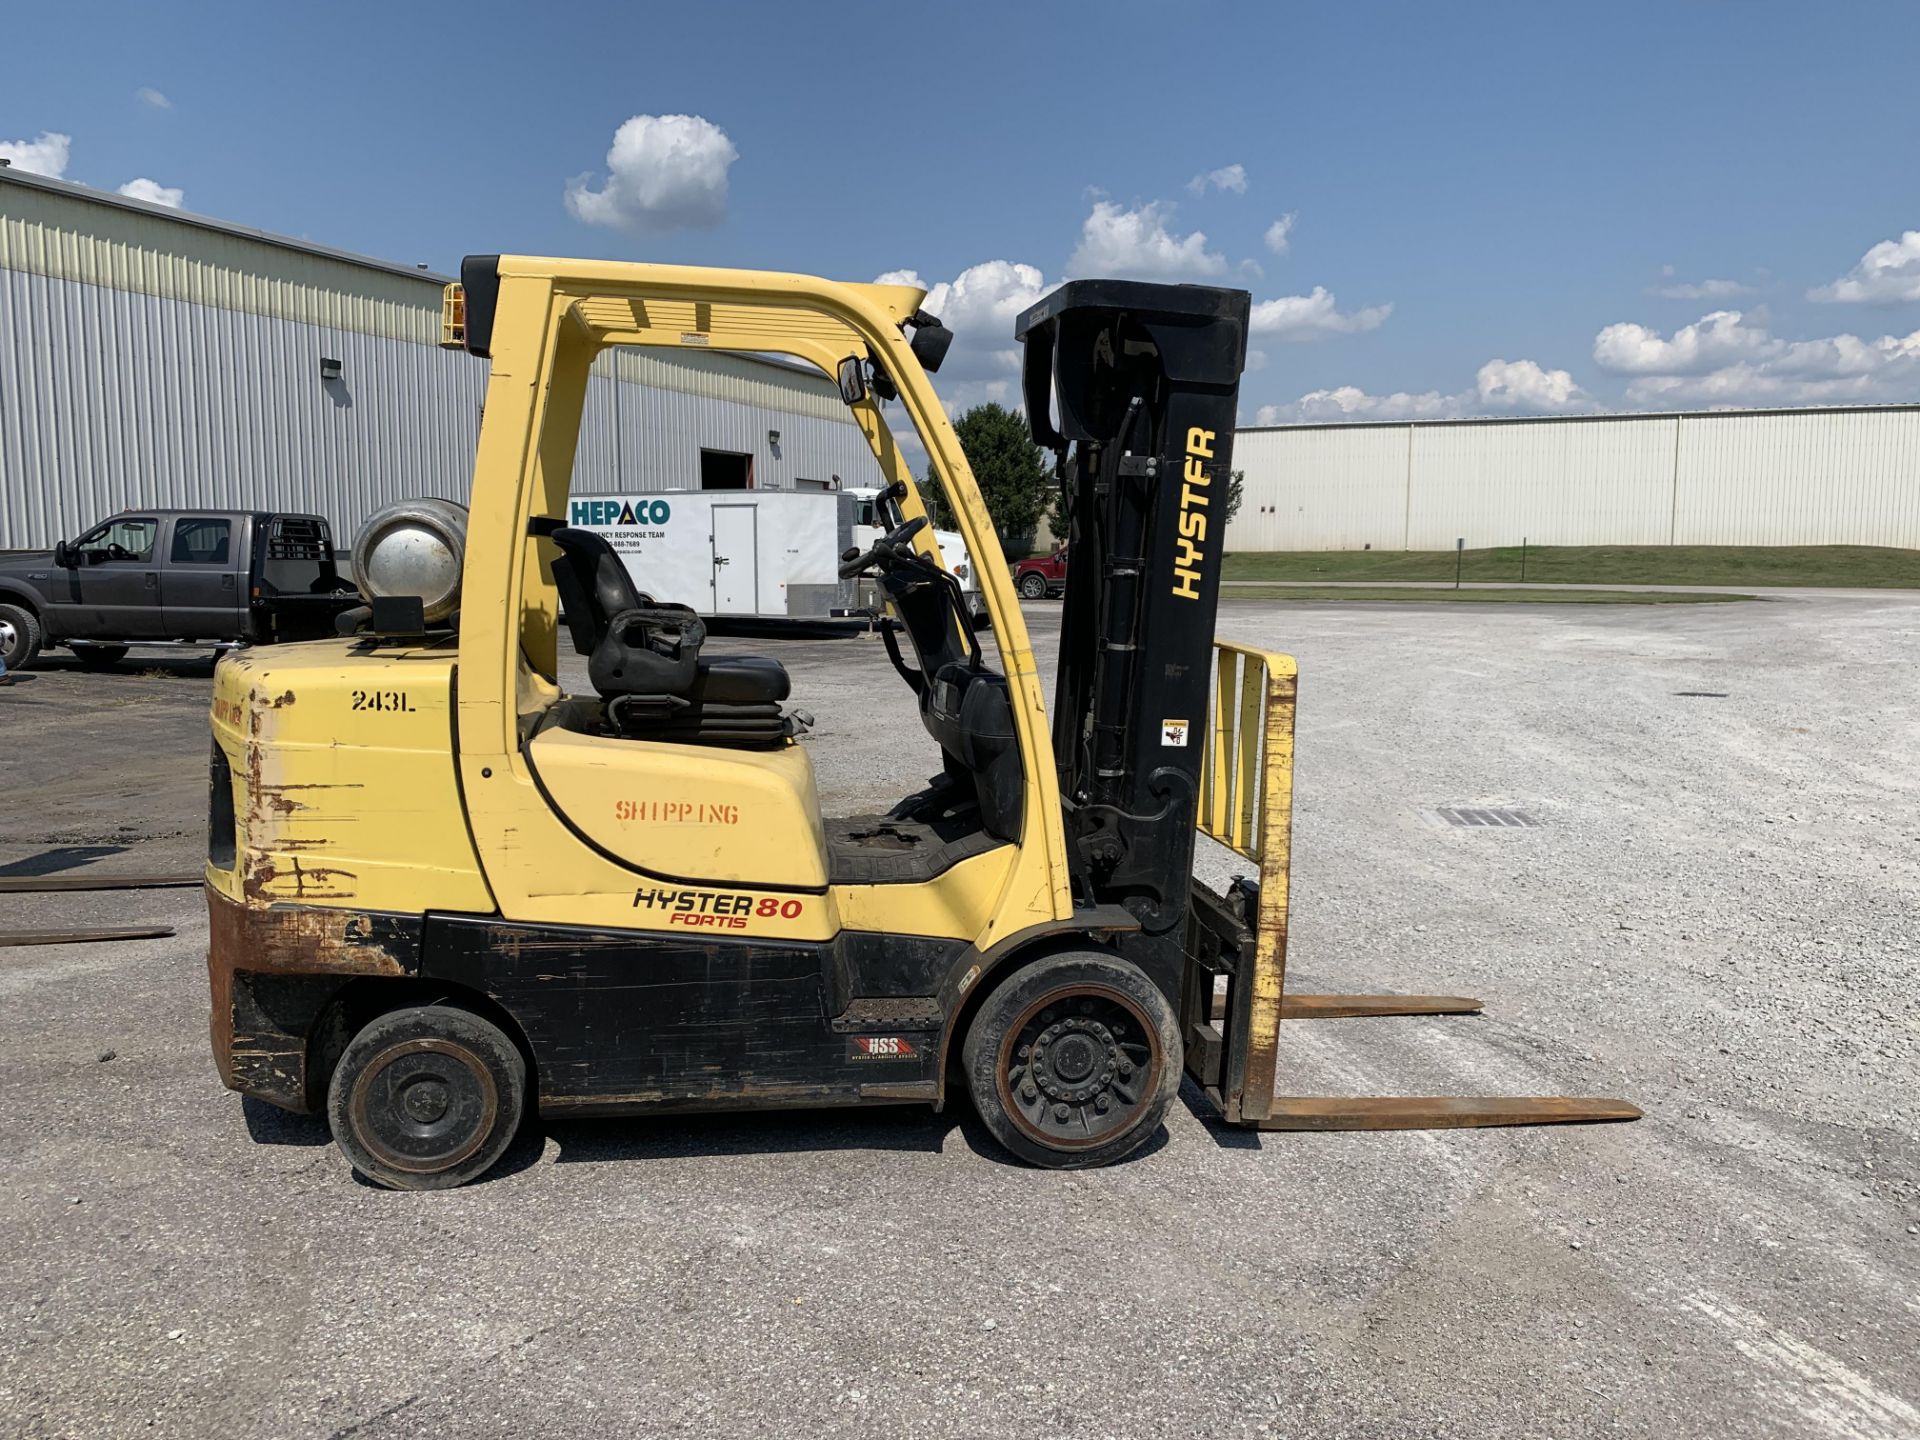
(154, 193)
(1727, 359)
(45, 154)
(1702, 290)
(1227, 177)
(1722, 338)
(979, 305)
(1313, 317)
(147, 95)
(1887, 274)
(1350, 402)
(1136, 244)
(1280, 233)
(1500, 385)
(1525, 385)
(664, 172)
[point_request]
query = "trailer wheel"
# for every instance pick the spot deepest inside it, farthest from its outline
(426, 1098)
(19, 636)
(1033, 585)
(99, 657)
(1073, 1061)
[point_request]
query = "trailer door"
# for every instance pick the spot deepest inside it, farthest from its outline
(736, 560)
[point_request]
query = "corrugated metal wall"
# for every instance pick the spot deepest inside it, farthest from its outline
(147, 360)
(1800, 477)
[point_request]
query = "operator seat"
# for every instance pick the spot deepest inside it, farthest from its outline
(644, 658)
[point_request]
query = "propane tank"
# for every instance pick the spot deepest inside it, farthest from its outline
(413, 547)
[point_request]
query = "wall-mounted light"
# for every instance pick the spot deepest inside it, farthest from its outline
(773, 437)
(329, 368)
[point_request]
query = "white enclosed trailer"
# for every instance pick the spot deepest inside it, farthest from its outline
(730, 552)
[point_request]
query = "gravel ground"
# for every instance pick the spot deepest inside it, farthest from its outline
(1715, 917)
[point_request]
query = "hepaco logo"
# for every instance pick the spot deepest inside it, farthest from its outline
(880, 1047)
(619, 512)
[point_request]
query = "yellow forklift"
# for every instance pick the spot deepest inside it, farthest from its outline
(445, 893)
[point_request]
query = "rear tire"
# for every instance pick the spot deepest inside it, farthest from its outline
(19, 636)
(1033, 586)
(99, 657)
(427, 1098)
(1073, 1060)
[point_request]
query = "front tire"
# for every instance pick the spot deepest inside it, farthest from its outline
(427, 1098)
(1033, 587)
(1073, 1060)
(19, 636)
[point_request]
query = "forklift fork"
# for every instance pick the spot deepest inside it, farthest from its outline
(1239, 941)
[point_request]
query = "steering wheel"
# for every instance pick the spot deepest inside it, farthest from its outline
(885, 550)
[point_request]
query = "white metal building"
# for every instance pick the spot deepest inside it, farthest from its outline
(1833, 476)
(150, 357)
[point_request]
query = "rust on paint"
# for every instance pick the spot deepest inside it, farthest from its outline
(250, 941)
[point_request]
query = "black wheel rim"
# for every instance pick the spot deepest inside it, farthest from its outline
(1079, 1067)
(424, 1105)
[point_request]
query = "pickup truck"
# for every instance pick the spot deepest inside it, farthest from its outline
(1042, 576)
(180, 577)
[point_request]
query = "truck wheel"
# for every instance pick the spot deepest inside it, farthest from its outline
(19, 637)
(100, 657)
(1073, 1060)
(426, 1098)
(1033, 586)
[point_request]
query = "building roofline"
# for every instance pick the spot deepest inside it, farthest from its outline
(1436, 424)
(88, 194)
(13, 175)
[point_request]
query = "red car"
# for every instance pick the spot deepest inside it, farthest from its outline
(1043, 577)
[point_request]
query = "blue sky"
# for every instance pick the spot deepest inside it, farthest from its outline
(1467, 184)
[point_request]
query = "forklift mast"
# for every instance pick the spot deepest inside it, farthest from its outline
(1144, 380)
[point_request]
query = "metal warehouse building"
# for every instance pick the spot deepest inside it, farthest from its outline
(1837, 476)
(150, 357)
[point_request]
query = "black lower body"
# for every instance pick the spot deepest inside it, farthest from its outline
(616, 1020)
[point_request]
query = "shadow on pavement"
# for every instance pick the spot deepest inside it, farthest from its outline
(270, 1125)
(61, 857)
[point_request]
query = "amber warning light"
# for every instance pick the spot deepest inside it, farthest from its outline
(453, 318)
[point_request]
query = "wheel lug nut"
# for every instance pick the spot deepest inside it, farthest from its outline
(1126, 1067)
(1060, 1112)
(1103, 1104)
(1027, 1092)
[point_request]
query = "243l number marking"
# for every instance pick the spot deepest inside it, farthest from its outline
(394, 700)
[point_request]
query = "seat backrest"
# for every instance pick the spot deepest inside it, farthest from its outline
(593, 583)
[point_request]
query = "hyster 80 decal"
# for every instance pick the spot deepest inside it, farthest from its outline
(1189, 550)
(715, 909)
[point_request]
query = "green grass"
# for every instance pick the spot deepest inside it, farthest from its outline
(1515, 596)
(1842, 565)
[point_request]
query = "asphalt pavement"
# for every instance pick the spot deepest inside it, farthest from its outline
(1714, 916)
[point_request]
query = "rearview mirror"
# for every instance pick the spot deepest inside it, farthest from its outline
(62, 557)
(853, 380)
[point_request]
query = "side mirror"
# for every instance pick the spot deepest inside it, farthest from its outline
(62, 557)
(853, 380)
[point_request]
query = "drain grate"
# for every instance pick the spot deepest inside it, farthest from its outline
(1484, 815)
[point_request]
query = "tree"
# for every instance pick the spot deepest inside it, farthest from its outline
(1015, 475)
(1236, 487)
